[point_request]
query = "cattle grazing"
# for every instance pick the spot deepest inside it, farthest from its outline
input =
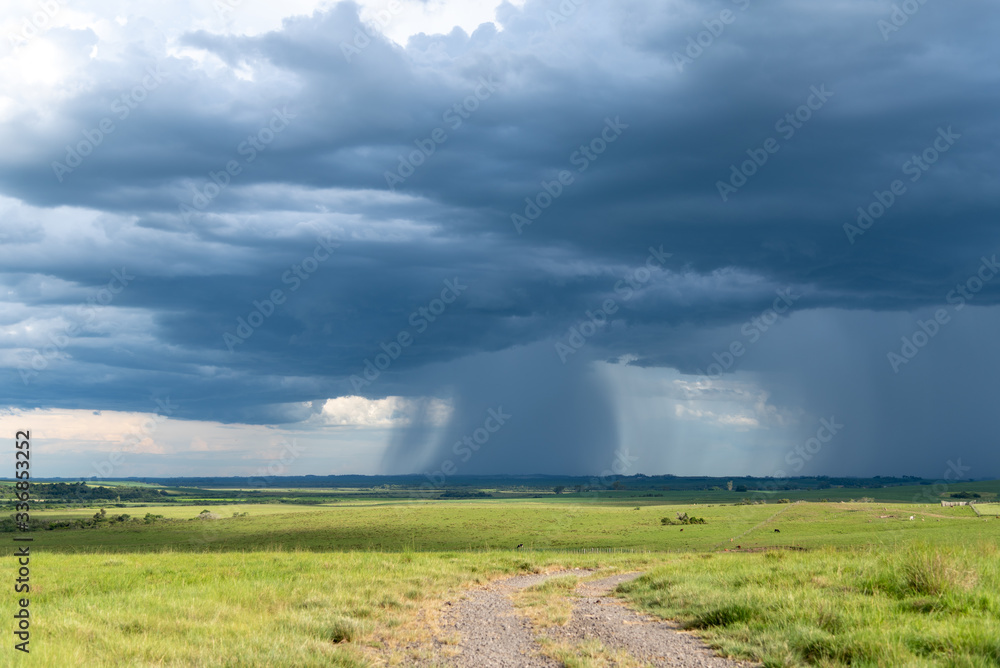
(777, 531)
(519, 546)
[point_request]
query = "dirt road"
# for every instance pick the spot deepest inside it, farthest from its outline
(491, 632)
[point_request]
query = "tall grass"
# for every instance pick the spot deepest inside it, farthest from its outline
(920, 605)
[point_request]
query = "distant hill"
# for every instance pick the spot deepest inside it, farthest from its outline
(521, 482)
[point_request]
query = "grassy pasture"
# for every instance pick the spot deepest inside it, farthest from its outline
(490, 524)
(264, 608)
(173, 511)
(344, 584)
(920, 605)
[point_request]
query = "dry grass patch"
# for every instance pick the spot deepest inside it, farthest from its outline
(549, 603)
(589, 654)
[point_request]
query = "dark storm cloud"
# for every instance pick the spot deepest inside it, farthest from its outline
(544, 86)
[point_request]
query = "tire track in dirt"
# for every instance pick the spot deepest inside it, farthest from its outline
(493, 635)
(653, 641)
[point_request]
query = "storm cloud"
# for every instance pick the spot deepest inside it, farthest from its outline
(256, 222)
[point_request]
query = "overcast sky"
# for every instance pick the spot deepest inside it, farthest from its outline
(649, 236)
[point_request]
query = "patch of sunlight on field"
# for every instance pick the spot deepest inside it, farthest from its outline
(475, 525)
(988, 508)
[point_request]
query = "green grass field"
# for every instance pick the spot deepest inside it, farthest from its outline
(498, 524)
(262, 608)
(351, 583)
(917, 605)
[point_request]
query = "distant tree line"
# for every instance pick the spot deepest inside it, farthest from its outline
(79, 492)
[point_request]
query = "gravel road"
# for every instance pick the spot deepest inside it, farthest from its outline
(493, 635)
(660, 643)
